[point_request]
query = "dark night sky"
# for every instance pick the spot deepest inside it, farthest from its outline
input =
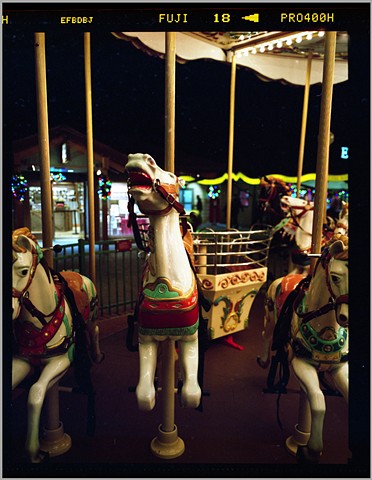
(128, 106)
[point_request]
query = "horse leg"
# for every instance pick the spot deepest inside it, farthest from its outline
(307, 377)
(145, 390)
(263, 360)
(340, 377)
(51, 373)
(93, 331)
(92, 323)
(189, 360)
(20, 370)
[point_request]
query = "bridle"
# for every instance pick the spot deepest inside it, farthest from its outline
(23, 295)
(333, 301)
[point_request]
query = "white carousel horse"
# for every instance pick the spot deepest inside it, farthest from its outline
(44, 330)
(307, 320)
(168, 300)
(342, 224)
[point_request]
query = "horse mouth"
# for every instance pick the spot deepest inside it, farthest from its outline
(139, 179)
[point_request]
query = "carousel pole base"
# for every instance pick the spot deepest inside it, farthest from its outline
(55, 442)
(167, 445)
(298, 439)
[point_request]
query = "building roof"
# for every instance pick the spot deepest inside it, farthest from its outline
(26, 152)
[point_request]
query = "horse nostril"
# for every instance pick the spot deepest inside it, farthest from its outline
(343, 320)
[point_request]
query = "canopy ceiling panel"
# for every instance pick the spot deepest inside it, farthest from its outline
(272, 55)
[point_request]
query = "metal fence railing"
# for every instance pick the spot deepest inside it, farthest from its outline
(118, 271)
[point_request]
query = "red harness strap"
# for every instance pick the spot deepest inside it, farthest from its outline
(31, 341)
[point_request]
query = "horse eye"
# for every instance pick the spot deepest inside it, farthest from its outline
(24, 272)
(335, 278)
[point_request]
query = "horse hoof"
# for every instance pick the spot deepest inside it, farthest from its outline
(190, 398)
(40, 457)
(100, 358)
(261, 363)
(307, 456)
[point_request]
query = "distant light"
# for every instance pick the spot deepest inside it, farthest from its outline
(99, 172)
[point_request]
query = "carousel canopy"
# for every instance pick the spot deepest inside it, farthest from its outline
(272, 55)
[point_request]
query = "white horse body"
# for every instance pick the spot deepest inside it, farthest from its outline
(318, 335)
(47, 316)
(168, 282)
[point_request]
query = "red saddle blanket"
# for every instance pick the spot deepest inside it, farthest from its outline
(76, 283)
(169, 316)
(288, 284)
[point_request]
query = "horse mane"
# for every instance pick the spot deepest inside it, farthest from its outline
(267, 181)
(15, 236)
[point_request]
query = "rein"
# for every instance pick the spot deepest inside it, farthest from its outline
(168, 192)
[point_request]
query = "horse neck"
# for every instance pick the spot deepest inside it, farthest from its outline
(168, 256)
(304, 234)
(42, 294)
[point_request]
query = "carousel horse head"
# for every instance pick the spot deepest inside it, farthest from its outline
(335, 262)
(27, 254)
(300, 213)
(271, 191)
(154, 189)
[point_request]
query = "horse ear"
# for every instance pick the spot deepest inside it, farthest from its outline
(181, 182)
(336, 247)
(24, 242)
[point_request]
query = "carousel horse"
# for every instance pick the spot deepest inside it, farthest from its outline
(306, 323)
(52, 313)
(342, 224)
(167, 306)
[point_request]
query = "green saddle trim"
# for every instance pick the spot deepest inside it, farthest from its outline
(173, 331)
(161, 291)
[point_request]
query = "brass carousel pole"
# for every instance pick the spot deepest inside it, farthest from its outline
(90, 155)
(53, 439)
(231, 142)
(322, 163)
(303, 124)
(43, 133)
(302, 429)
(167, 444)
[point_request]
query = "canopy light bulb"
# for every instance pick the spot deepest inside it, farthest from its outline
(289, 41)
(321, 33)
(262, 49)
(299, 39)
(279, 44)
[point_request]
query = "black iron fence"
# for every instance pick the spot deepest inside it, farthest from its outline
(118, 271)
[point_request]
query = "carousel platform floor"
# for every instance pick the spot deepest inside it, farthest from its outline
(235, 435)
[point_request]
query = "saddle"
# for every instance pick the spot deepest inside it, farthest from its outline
(75, 283)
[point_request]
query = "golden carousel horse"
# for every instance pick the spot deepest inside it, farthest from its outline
(306, 323)
(51, 315)
(167, 306)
